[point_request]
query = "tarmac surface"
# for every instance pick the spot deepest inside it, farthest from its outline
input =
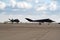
(29, 31)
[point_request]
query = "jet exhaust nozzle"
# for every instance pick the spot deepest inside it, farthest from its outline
(28, 19)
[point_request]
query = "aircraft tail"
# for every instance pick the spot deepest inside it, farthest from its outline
(29, 19)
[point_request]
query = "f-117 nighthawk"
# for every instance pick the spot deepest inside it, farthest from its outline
(14, 20)
(40, 21)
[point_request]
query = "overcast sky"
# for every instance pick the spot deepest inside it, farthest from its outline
(33, 9)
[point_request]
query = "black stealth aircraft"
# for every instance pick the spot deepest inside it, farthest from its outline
(14, 20)
(40, 21)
